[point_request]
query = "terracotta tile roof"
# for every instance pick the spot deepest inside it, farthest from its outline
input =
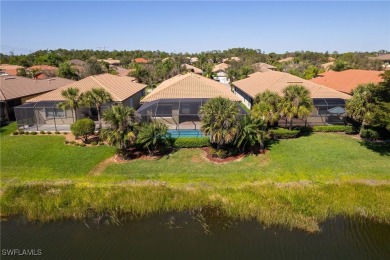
(140, 60)
(261, 65)
(286, 59)
(221, 67)
(276, 81)
(192, 68)
(347, 80)
(384, 57)
(10, 69)
(111, 61)
(189, 85)
(17, 87)
(42, 67)
(119, 87)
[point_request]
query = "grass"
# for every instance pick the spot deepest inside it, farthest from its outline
(297, 183)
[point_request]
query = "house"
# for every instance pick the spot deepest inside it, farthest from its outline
(111, 61)
(42, 112)
(288, 59)
(8, 69)
(193, 60)
(260, 65)
(141, 60)
(346, 81)
(191, 68)
(220, 71)
(327, 101)
(327, 66)
(15, 90)
(385, 58)
(43, 71)
(176, 101)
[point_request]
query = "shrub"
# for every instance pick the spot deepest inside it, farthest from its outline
(42, 132)
(83, 127)
(219, 153)
(101, 143)
(72, 142)
(33, 133)
(48, 132)
(94, 143)
(21, 132)
(332, 128)
(369, 134)
(83, 144)
(57, 133)
(351, 131)
(76, 144)
(65, 133)
(66, 142)
(281, 133)
(26, 133)
(15, 133)
(192, 142)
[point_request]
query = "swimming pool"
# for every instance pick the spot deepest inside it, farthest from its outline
(185, 133)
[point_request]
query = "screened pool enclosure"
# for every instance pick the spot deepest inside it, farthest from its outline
(176, 113)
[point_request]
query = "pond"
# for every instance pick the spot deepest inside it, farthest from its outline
(194, 235)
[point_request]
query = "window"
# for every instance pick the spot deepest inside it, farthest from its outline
(55, 112)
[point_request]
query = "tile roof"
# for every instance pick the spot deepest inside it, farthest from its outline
(192, 68)
(42, 67)
(286, 59)
(17, 87)
(221, 67)
(384, 57)
(276, 81)
(119, 87)
(327, 65)
(9, 67)
(260, 65)
(111, 61)
(140, 60)
(189, 85)
(347, 80)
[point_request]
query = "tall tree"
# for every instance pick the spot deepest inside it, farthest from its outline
(67, 71)
(97, 97)
(72, 100)
(296, 103)
(266, 107)
(250, 133)
(121, 122)
(219, 120)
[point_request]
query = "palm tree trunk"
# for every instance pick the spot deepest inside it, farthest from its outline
(75, 114)
(291, 123)
(99, 119)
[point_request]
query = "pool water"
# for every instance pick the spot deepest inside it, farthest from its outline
(185, 133)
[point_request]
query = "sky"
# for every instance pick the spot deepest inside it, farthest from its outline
(185, 26)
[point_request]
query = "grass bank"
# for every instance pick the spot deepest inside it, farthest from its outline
(297, 183)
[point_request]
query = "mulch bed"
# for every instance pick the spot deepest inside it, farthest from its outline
(211, 158)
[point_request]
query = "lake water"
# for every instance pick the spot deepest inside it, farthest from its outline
(194, 235)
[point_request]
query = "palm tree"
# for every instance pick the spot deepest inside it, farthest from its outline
(97, 97)
(232, 74)
(266, 107)
(296, 103)
(219, 120)
(154, 135)
(250, 132)
(121, 130)
(73, 100)
(208, 70)
(359, 107)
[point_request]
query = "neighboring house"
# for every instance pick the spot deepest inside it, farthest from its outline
(231, 59)
(191, 68)
(346, 81)
(123, 72)
(260, 65)
(141, 60)
(385, 58)
(177, 100)
(220, 71)
(193, 59)
(288, 59)
(111, 61)
(14, 91)
(8, 69)
(327, 66)
(44, 71)
(329, 104)
(42, 112)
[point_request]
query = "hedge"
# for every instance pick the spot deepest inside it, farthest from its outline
(332, 128)
(369, 134)
(192, 142)
(281, 133)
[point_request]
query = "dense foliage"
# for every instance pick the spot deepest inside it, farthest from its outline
(84, 128)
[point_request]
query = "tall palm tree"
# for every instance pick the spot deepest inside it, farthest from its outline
(266, 107)
(97, 97)
(296, 103)
(250, 132)
(72, 100)
(220, 120)
(359, 107)
(121, 130)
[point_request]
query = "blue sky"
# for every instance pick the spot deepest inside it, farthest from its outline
(195, 26)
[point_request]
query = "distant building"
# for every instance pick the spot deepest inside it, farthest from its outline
(191, 68)
(140, 60)
(8, 69)
(385, 58)
(44, 71)
(288, 59)
(221, 74)
(111, 61)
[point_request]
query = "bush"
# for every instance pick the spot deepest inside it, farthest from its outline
(57, 133)
(369, 134)
(48, 132)
(76, 144)
(351, 131)
(332, 128)
(192, 142)
(26, 133)
(222, 154)
(66, 142)
(42, 132)
(72, 142)
(83, 144)
(65, 133)
(101, 143)
(94, 143)
(282, 133)
(83, 127)
(15, 133)
(33, 133)
(21, 132)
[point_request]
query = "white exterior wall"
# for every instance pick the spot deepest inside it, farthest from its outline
(245, 99)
